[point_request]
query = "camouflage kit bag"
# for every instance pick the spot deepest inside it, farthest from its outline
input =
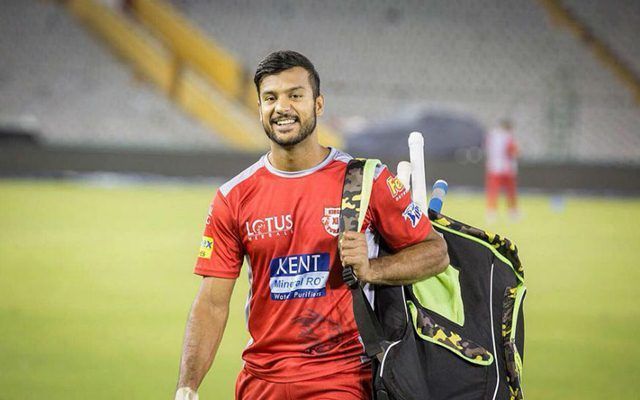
(459, 334)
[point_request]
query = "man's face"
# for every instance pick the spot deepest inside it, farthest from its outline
(287, 108)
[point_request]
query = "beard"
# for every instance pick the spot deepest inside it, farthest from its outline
(306, 129)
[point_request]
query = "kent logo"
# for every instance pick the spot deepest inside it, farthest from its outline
(299, 276)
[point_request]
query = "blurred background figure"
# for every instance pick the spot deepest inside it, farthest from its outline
(501, 152)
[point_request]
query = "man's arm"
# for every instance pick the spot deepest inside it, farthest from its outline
(205, 326)
(409, 265)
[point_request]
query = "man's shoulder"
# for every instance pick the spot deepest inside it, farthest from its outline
(243, 180)
(243, 176)
(343, 157)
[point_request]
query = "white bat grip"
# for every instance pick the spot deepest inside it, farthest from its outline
(404, 173)
(418, 175)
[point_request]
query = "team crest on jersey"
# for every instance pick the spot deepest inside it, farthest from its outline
(413, 214)
(396, 187)
(260, 228)
(331, 220)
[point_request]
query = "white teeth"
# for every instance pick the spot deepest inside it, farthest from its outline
(285, 122)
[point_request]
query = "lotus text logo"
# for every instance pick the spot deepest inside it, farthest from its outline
(270, 226)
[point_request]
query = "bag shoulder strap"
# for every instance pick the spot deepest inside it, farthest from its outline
(356, 192)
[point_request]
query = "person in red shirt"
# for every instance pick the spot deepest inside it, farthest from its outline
(281, 216)
(501, 151)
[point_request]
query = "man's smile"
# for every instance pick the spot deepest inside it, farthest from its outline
(284, 124)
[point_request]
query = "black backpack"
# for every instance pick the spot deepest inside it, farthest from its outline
(457, 335)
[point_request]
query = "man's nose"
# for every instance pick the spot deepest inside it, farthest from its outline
(283, 105)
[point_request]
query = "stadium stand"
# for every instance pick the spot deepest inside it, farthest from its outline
(378, 59)
(485, 59)
(617, 23)
(76, 93)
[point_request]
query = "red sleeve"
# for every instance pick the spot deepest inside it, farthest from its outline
(512, 148)
(221, 250)
(393, 215)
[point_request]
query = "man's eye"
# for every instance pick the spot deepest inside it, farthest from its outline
(269, 98)
(296, 96)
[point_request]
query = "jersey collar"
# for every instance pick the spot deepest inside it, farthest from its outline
(298, 174)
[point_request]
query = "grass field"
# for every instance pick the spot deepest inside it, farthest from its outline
(96, 283)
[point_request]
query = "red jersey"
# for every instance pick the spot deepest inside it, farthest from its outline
(285, 225)
(501, 153)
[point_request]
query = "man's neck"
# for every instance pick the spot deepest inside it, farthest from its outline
(299, 157)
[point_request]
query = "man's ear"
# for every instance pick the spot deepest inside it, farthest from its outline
(259, 111)
(319, 105)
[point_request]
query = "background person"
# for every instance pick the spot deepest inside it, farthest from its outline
(501, 153)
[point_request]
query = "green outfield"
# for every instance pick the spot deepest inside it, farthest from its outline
(96, 283)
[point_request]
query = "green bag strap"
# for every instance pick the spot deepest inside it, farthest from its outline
(512, 302)
(356, 192)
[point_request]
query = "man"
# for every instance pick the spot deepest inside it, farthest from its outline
(501, 169)
(281, 214)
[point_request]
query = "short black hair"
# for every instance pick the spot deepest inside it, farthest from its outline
(279, 61)
(506, 123)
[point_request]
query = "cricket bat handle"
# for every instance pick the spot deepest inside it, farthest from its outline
(404, 173)
(418, 176)
(438, 193)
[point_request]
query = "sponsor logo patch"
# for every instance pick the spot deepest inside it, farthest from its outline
(206, 247)
(396, 188)
(331, 220)
(412, 213)
(270, 226)
(300, 276)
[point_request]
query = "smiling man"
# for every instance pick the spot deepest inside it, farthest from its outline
(288, 126)
(281, 216)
